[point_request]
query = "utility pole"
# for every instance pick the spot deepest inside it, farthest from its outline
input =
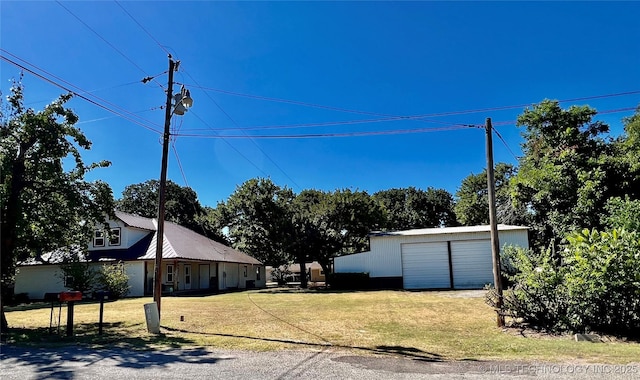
(157, 290)
(495, 241)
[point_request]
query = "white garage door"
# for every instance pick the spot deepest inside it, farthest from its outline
(472, 264)
(425, 265)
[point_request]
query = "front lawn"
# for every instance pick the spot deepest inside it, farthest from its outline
(426, 325)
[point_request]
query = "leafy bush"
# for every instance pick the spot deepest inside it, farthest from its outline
(595, 286)
(77, 275)
(114, 279)
(604, 281)
(538, 295)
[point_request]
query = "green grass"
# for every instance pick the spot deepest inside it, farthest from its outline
(427, 325)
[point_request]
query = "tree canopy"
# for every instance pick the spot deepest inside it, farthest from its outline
(409, 208)
(569, 169)
(46, 203)
(181, 205)
(472, 200)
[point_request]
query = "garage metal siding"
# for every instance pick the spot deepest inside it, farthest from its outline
(425, 265)
(472, 264)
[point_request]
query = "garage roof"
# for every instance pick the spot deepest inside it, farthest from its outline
(446, 230)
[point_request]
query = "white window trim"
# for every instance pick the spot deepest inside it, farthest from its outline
(119, 237)
(98, 235)
(170, 273)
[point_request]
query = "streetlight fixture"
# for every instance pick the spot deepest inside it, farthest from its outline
(181, 102)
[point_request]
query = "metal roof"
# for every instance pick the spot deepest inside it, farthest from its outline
(136, 221)
(446, 230)
(182, 243)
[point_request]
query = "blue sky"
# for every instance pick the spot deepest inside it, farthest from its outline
(379, 58)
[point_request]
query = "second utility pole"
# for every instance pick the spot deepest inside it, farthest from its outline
(157, 290)
(495, 241)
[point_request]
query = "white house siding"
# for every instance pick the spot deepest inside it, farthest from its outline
(229, 275)
(204, 271)
(35, 280)
(135, 271)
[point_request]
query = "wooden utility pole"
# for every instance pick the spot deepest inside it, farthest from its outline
(157, 290)
(495, 241)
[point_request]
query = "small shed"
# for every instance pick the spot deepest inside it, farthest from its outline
(431, 258)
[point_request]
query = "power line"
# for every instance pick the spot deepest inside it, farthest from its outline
(252, 140)
(75, 93)
(327, 135)
(108, 43)
(231, 146)
(504, 142)
(328, 123)
(214, 102)
(617, 110)
(143, 28)
(439, 114)
(79, 91)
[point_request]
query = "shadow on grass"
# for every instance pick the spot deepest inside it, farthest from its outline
(53, 356)
(410, 352)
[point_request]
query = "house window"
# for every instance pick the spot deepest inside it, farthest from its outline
(114, 237)
(245, 271)
(258, 273)
(169, 272)
(98, 239)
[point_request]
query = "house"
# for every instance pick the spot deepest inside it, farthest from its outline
(190, 261)
(431, 258)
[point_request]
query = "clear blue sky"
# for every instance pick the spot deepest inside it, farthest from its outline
(403, 59)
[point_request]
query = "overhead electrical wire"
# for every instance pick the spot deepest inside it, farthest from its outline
(504, 142)
(77, 94)
(252, 140)
(109, 43)
(214, 102)
(396, 117)
(142, 27)
(340, 134)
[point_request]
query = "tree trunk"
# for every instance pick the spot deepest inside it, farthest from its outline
(326, 267)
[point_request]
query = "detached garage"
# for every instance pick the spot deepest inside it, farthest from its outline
(431, 258)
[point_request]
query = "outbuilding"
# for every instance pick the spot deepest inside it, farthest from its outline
(431, 258)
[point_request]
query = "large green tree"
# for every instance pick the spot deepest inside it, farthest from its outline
(569, 169)
(472, 200)
(47, 205)
(409, 208)
(258, 218)
(181, 205)
(341, 221)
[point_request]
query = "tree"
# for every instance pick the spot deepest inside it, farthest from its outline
(568, 170)
(341, 222)
(46, 206)
(181, 205)
(472, 201)
(258, 218)
(622, 214)
(415, 208)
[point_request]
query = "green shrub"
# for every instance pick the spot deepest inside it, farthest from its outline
(114, 279)
(595, 286)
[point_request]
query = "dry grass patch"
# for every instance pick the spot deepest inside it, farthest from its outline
(430, 325)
